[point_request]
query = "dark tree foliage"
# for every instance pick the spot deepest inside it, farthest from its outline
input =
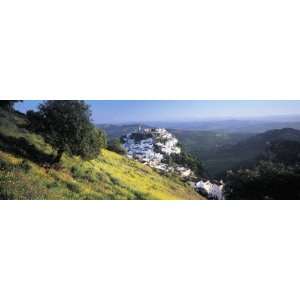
(92, 143)
(103, 138)
(8, 104)
(287, 152)
(138, 136)
(186, 160)
(268, 180)
(116, 146)
(276, 176)
(66, 125)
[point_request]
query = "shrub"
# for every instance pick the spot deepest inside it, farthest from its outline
(53, 184)
(115, 181)
(90, 176)
(103, 177)
(73, 187)
(6, 166)
(116, 146)
(77, 172)
(140, 195)
(25, 166)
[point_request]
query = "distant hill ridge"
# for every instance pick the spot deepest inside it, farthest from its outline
(262, 139)
(246, 152)
(114, 131)
(220, 151)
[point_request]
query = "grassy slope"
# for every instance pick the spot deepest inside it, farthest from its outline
(110, 176)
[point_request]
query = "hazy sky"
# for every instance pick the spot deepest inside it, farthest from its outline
(115, 111)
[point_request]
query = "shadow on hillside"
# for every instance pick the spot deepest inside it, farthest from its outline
(21, 147)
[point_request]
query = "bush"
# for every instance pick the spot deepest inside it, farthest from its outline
(91, 177)
(116, 146)
(115, 181)
(140, 195)
(77, 172)
(6, 166)
(25, 166)
(52, 185)
(73, 187)
(88, 175)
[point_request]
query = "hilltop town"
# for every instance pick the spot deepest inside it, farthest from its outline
(152, 146)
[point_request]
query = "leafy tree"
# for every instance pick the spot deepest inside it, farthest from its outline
(102, 137)
(66, 125)
(8, 104)
(92, 143)
(116, 146)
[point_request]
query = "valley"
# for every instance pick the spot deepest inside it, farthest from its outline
(57, 151)
(222, 145)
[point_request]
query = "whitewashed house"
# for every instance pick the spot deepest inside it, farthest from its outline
(144, 151)
(213, 190)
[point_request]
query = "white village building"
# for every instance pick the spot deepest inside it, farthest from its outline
(143, 149)
(213, 190)
(157, 144)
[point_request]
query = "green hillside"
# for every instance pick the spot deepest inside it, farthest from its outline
(245, 153)
(25, 174)
(208, 147)
(221, 151)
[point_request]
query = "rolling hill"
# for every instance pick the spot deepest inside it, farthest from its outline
(203, 143)
(246, 152)
(25, 172)
(221, 151)
(226, 145)
(251, 125)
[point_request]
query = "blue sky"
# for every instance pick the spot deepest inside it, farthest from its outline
(117, 111)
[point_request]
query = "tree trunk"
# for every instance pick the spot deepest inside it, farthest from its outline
(58, 156)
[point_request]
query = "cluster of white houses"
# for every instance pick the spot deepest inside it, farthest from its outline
(151, 145)
(214, 190)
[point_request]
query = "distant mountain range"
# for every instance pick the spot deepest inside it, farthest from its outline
(234, 125)
(251, 125)
(116, 131)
